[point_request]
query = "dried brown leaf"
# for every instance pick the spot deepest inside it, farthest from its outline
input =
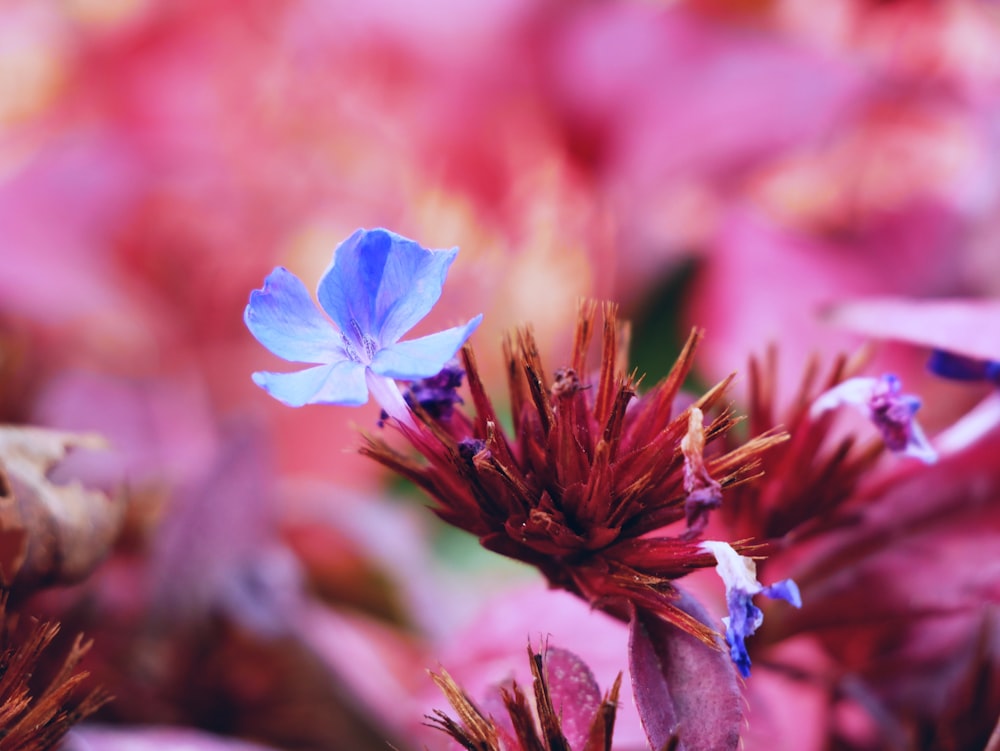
(50, 533)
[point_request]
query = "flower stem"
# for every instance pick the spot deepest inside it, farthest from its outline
(390, 398)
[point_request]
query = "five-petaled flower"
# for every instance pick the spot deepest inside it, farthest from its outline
(881, 401)
(377, 288)
(740, 576)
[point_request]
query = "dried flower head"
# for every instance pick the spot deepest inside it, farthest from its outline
(592, 475)
(587, 487)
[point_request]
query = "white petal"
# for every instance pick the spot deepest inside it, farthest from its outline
(737, 571)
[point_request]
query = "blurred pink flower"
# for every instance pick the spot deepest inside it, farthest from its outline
(968, 327)
(157, 159)
(684, 94)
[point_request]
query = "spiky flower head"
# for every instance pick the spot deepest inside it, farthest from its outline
(604, 489)
(601, 488)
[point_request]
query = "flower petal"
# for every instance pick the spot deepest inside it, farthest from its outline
(380, 284)
(349, 286)
(423, 357)
(744, 619)
(855, 391)
(918, 446)
(786, 590)
(881, 400)
(341, 382)
(283, 317)
(739, 573)
(966, 327)
(411, 286)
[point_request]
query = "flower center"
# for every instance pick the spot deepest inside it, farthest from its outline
(362, 340)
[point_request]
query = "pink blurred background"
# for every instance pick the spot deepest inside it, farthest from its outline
(159, 158)
(741, 165)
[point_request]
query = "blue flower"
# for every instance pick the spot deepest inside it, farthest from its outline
(739, 574)
(377, 288)
(881, 400)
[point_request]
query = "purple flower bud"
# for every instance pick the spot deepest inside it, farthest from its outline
(438, 394)
(892, 412)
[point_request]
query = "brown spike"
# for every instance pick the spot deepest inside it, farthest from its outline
(804, 396)
(539, 390)
(609, 361)
(603, 727)
(761, 392)
(516, 386)
(660, 398)
(596, 505)
(585, 314)
(528, 353)
(487, 421)
(522, 719)
(711, 397)
(473, 731)
(38, 722)
(744, 463)
(547, 715)
(648, 593)
(624, 346)
(616, 419)
(566, 448)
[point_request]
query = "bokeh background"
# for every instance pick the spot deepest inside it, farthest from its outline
(741, 165)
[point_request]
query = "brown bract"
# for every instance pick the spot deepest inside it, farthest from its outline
(38, 707)
(50, 533)
(590, 474)
(567, 714)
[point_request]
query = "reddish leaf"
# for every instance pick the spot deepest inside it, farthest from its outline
(574, 692)
(684, 689)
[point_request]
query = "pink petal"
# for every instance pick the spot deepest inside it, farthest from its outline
(966, 327)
